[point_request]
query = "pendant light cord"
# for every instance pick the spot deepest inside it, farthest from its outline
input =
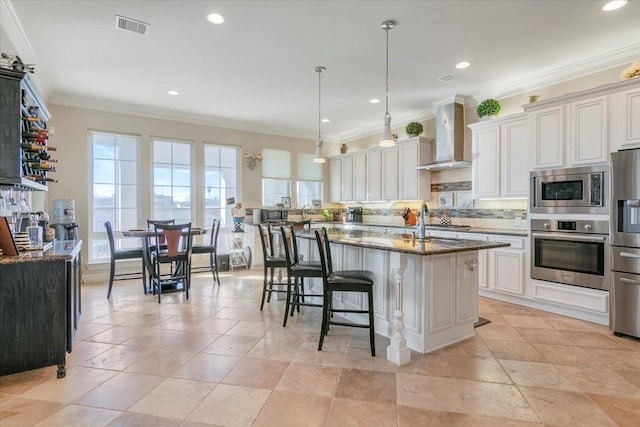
(387, 93)
(319, 70)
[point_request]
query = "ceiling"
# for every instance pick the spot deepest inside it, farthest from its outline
(257, 71)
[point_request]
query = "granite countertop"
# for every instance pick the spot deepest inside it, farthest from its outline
(62, 250)
(401, 242)
(434, 227)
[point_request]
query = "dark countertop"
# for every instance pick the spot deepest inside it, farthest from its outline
(434, 227)
(62, 250)
(401, 242)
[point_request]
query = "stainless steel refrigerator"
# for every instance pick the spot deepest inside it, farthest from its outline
(625, 243)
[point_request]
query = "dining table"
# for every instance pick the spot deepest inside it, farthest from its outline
(146, 234)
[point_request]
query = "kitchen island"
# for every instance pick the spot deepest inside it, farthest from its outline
(39, 307)
(425, 291)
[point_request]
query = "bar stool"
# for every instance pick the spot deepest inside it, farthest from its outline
(271, 262)
(343, 281)
(116, 254)
(297, 270)
(212, 250)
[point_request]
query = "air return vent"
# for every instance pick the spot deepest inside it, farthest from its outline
(448, 77)
(128, 24)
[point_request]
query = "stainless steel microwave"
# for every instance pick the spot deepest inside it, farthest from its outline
(573, 190)
(273, 215)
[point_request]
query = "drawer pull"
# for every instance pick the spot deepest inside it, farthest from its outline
(625, 280)
(629, 255)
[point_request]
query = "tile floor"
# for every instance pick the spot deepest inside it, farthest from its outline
(218, 360)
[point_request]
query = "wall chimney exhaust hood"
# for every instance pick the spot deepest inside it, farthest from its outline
(449, 136)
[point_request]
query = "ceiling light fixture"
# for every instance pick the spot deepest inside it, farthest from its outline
(173, 93)
(317, 158)
(613, 5)
(215, 18)
(386, 139)
(463, 64)
(374, 101)
(325, 120)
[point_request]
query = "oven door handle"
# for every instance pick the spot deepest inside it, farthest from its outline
(629, 255)
(563, 236)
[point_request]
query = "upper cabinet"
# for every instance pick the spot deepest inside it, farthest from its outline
(500, 157)
(582, 128)
(382, 174)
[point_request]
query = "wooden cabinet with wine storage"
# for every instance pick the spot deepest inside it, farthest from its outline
(26, 160)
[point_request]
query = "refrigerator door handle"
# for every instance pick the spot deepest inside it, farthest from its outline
(629, 255)
(625, 280)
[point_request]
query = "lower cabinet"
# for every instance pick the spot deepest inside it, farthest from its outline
(40, 309)
(506, 266)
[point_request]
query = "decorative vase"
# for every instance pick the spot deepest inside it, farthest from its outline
(343, 148)
(533, 98)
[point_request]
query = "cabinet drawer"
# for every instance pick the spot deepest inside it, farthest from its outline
(516, 242)
(625, 259)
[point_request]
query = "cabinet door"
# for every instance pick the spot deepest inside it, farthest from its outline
(547, 130)
(390, 173)
(374, 176)
(335, 180)
(629, 131)
(467, 287)
(407, 173)
(506, 266)
(486, 163)
(514, 170)
(588, 133)
(359, 177)
(347, 178)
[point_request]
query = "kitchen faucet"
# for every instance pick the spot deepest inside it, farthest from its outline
(305, 209)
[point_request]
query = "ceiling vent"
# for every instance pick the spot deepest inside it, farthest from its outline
(448, 77)
(128, 24)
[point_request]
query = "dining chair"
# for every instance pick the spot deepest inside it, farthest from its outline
(120, 254)
(271, 263)
(212, 250)
(176, 252)
(343, 281)
(298, 270)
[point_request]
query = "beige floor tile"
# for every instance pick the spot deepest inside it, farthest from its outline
(147, 320)
(155, 338)
(207, 367)
(163, 363)
(565, 408)
(119, 357)
(597, 340)
(215, 326)
(536, 374)
(115, 318)
(526, 321)
(21, 412)
(624, 411)
(78, 381)
(88, 330)
(545, 336)
(494, 400)
(371, 386)
(346, 412)
(232, 345)
(121, 391)
(193, 341)
(506, 308)
(6, 398)
(116, 334)
(496, 319)
(574, 325)
(85, 350)
(425, 392)
(618, 359)
(80, 416)
(309, 354)
(21, 382)
(289, 334)
(128, 419)
(173, 398)
(632, 376)
(600, 381)
(274, 350)
(257, 373)
(229, 405)
(431, 364)
(473, 346)
(413, 417)
(360, 358)
(249, 329)
(515, 350)
(298, 377)
(567, 355)
(497, 332)
(234, 313)
(483, 421)
(293, 409)
(477, 369)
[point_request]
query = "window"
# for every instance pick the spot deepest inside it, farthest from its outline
(309, 185)
(114, 190)
(276, 176)
(220, 182)
(172, 181)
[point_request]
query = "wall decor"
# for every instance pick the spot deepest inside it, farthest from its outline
(316, 203)
(464, 199)
(445, 200)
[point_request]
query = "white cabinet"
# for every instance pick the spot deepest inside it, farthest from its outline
(547, 136)
(347, 178)
(335, 180)
(500, 158)
(483, 276)
(587, 133)
(374, 178)
(359, 177)
(414, 184)
(389, 173)
(506, 265)
(627, 128)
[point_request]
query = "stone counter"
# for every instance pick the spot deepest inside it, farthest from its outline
(62, 250)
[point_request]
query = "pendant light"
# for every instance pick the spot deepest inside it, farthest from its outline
(386, 139)
(317, 158)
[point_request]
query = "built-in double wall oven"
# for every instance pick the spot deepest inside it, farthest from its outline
(572, 252)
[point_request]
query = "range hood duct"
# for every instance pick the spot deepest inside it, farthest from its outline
(449, 138)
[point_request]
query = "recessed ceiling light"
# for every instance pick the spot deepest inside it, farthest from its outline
(173, 92)
(463, 64)
(613, 5)
(215, 18)
(325, 120)
(374, 101)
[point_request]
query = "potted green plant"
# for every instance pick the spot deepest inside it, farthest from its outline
(488, 108)
(414, 128)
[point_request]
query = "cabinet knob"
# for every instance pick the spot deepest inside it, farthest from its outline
(588, 227)
(546, 225)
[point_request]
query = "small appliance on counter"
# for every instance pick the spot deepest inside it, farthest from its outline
(354, 214)
(64, 220)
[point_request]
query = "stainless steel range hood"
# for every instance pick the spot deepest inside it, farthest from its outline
(449, 137)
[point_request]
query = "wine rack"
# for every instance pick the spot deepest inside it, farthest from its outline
(28, 159)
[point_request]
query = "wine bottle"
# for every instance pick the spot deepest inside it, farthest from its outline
(33, 147)
(39, 178)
